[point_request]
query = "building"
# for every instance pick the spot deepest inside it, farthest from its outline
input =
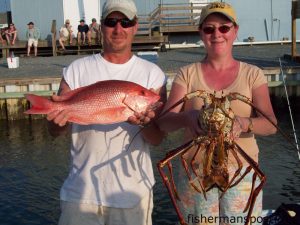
(4, 6)
(43, 12)
(268, 20)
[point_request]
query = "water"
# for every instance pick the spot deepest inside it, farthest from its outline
(33, 166)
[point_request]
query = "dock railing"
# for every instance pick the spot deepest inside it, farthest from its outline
(180, 17)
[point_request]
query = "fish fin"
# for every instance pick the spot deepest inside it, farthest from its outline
(129, 101)
(39, 105)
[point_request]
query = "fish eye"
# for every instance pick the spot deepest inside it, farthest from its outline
(143, 92)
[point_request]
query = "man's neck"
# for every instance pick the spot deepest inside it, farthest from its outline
(117, 58)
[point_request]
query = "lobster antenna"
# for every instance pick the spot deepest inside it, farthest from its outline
(289, 106)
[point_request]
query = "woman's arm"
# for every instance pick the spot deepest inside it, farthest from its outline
(176, 118)
(260, 125)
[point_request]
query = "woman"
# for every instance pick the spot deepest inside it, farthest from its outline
(219, 72)
(11, 34)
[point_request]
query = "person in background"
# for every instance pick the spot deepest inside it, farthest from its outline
(65, 34)
(94, 32)
(2, 35)
(220, 72)
(108, 183)
(82, 32)
(33, 35)
(11, 34)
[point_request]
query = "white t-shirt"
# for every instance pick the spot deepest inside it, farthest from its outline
(65, 31)
(103, 170)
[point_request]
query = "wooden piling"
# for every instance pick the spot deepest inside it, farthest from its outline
(53, 31)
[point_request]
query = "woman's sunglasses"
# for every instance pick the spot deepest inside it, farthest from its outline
(211, 29)
(125, 23)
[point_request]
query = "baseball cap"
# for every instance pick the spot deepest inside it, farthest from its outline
(67, 21)
(127, 7)
(94, 20)
(218, 7)
(30, 23)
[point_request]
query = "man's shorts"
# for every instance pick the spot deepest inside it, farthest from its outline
(94, 35)
(65, 38)
(32, 41)
(85, 214)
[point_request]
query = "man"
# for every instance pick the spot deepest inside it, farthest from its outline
(33, 35)
(65, 34)
(82, 32)
(109, 183)
(94, 32)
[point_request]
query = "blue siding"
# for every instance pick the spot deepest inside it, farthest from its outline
(4, 6)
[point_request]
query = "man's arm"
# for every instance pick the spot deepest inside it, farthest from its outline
(57, 121)
(151, 132)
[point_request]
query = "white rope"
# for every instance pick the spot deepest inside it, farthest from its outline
(291, 115)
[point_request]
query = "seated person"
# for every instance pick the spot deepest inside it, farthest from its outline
(94, 32)
(11, 34)
(65, 34)
(82, 32)
(2, 35)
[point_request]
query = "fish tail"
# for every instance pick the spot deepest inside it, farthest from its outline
(39, 105)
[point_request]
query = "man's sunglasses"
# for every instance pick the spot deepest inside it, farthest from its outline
(211, 29)
(125, 23)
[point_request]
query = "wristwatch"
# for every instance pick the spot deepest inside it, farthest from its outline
(250, 126)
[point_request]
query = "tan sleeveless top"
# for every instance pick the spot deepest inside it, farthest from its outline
(249, 77)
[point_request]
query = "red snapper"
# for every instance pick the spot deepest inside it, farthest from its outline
(104, 102)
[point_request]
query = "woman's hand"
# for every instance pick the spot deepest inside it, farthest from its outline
(237, 129)
(191, 121)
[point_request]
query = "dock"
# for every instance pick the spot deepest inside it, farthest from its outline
(153, 32)
(42, 75)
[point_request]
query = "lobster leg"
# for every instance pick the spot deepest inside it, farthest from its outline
(191, 180)
(251, 193)
(200, 148)
(237, 96)
(248, 169)
(169, 183)
(169, 164)
(167, 161)
(258, 173)
(237, 172)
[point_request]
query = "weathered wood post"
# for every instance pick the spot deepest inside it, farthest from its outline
(192, 12)
(53, 31)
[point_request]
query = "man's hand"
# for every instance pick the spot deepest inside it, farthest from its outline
(145, 117)
(58, 117)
